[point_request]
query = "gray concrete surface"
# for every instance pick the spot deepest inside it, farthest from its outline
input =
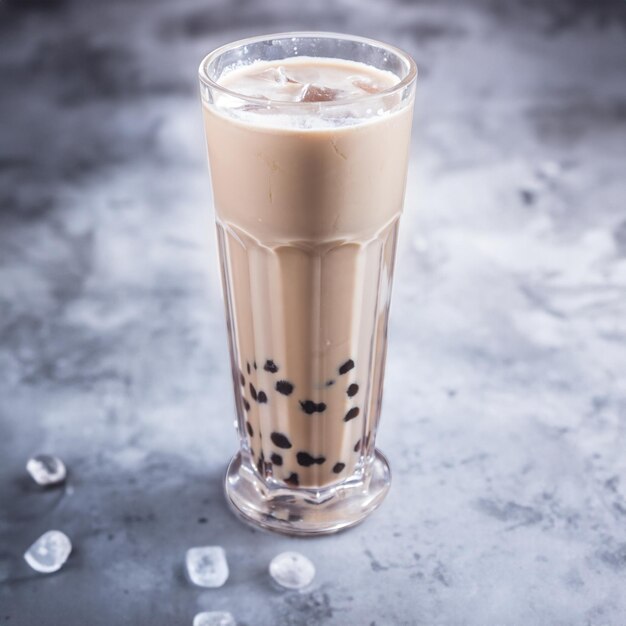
(505, 409)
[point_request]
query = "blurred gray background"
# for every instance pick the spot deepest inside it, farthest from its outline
(505, 409)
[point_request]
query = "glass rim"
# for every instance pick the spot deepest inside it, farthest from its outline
(405, 82)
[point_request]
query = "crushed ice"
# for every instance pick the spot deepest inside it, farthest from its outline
(46, 469)
(207, 566)
(49, 553)
(214, 618)
(292, 570)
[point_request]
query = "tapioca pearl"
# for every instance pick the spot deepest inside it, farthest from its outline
(261, 397)
(246, 404)
(346, 367)
(284, 387)
(261, 463)
(250, 429)
(338, 467)
(270, 366)
(280, 441)
(253, 391)
(353, 389)
(252, 452)
(306, 460)
(254, 365)
(351, 414)
(242, 379)
(357, 445)
(276, 459)
(292, 479)
(310, 407)
(330, 383)
(248, 367)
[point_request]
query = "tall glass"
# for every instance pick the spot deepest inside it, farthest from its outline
(308, 196)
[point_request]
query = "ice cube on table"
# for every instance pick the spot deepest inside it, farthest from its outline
(46, 469)
(214, 618)
(49, 552)
(292, 570)
(207, 566)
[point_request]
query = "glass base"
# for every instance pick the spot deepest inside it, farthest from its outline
(306, 511)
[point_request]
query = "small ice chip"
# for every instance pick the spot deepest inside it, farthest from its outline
(49, 552)
(46, 469)
(292, 570)
(207, 566)
(214, 618)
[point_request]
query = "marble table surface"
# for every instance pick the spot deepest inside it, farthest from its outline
(505, 408)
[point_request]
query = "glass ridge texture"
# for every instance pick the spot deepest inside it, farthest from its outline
(308, 197)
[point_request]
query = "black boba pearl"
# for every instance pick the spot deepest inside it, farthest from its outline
(270, 366)
(242, 379)
(280, 441)
(306, 460)
(353, 389)
(330, 383)
(284, 387)
(261, 463)
(249, 429)
(248, 366)
(310, 407)
(261, 397)
(357, 445)
(351, 414)
(254, 365)
(346, 367)
(246, 404)
(253, 391)
(338, 467)
(277, 459)
(293, 479)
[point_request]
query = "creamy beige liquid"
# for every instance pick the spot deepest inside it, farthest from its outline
(307, 206)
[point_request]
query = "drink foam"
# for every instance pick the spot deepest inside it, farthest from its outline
(295, 93)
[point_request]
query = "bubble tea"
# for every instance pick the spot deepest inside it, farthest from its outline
(308, 138)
